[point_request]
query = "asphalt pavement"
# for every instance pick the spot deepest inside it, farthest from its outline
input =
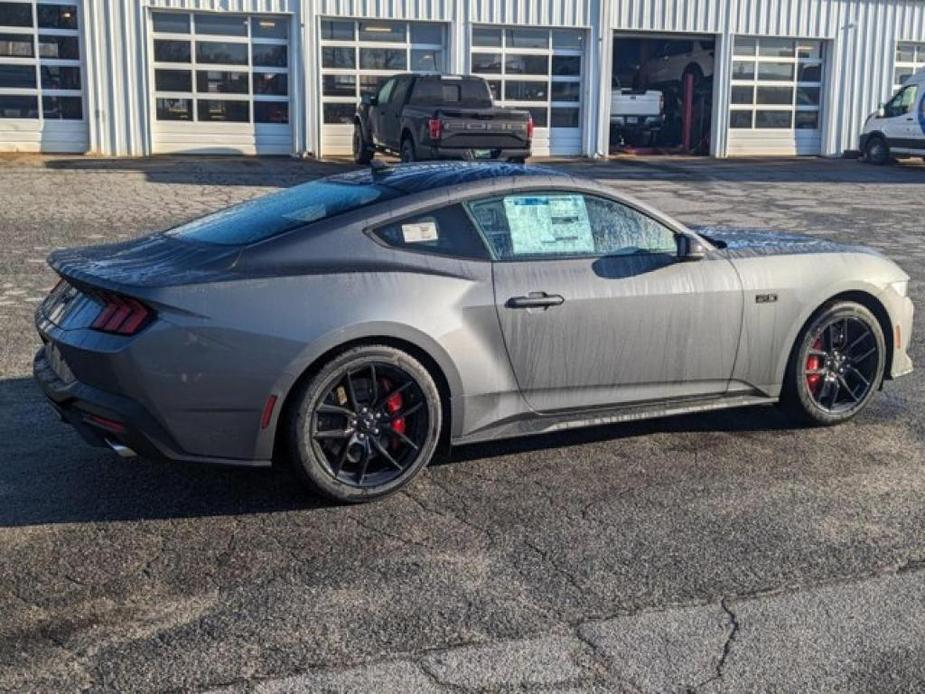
(725, 552)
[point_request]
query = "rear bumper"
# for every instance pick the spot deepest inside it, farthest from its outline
(110, 421)
(469, 154)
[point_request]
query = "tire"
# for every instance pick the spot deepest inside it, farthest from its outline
(877, 151)
(362, 152)
(407, 152)
(350, 455)
(836, 365)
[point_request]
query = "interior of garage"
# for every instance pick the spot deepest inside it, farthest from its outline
(662, 94)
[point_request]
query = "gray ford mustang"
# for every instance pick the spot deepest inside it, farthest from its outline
(353, 324)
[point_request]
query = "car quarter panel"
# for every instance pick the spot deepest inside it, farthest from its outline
(783, 291)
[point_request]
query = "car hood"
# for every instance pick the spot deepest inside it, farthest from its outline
(749, 243)
(151, 261)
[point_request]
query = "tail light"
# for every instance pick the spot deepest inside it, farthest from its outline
(529, 127)
(435, 125)
(121, 315)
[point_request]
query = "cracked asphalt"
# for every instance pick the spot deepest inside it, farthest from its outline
(725, 552)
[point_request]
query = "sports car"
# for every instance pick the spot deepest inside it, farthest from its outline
(358, 324)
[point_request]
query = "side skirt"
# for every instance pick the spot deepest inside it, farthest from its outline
(532, 424)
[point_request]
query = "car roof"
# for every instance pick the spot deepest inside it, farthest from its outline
(417, 178)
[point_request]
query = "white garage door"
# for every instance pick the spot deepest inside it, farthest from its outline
(776, 97)
(357, 56)
(41, 78)
(220, 83)
(539, 70)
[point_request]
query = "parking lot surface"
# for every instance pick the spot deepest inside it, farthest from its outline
(724, 552)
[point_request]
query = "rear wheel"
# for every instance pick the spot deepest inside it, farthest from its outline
(362, 152)
(877, 151)
(407, 151)
(836, 366)
(365, 425)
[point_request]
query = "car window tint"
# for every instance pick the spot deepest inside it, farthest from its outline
(447, 231)
(562, 225)
(902, 102)
(280, 212)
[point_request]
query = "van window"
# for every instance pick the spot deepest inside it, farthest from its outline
(902, 103)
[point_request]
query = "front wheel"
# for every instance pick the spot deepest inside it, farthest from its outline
(877, 151)
(365, 425)
(362, 152)
(836, 366)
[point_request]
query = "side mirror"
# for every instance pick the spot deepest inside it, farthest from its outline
(690, 248)
(369, 100)
(881, 111)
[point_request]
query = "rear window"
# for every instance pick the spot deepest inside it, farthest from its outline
(280, 212)
(467, 93)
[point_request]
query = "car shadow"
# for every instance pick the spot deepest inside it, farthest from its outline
(49, 475)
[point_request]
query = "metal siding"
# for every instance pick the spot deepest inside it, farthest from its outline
(861, 35)
(425, 10)
(573, 13)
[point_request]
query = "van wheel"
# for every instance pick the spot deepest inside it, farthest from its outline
(877, 151)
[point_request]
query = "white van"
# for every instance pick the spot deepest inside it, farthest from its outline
(897, 129)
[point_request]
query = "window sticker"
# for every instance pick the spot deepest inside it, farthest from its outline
(549, 224)
(419, 232)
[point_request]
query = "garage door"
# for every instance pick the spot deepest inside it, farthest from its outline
(357, 56)
(539, 70)
(220, 83)
(776, 97)
(41, 78)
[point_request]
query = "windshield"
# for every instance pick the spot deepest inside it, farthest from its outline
(280, 212)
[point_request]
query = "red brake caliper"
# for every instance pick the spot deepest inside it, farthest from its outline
(813, 363)
(393, 405)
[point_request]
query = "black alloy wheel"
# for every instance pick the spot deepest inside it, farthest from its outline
(367, 424)
(839, 365)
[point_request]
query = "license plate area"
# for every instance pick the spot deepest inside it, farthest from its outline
(56, 361)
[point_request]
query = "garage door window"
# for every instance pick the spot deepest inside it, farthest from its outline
(221, 68)
(776, 84)
(40, 70)
(538, 70)
(910, 58)
(358, 56)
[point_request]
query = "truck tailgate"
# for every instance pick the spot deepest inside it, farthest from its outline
(483, 128)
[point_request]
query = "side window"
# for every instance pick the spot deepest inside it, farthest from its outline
(400, 92)
(563, 225)
(447, 231)
(902, 103)
(385, 91)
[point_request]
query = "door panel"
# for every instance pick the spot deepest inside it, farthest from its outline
(628, 329)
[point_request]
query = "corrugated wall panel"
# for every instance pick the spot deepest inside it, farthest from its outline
(575, 13)
(255, 6)
(425, 10)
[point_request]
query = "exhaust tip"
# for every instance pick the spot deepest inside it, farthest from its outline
(121, 451)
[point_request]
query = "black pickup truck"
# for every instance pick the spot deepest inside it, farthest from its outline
(428, 116)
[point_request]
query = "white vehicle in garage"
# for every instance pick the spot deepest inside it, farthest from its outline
(898, 127)
(636, 115)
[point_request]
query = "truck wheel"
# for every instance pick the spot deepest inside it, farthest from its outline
(362, 152)
(877, 151)
(407, 151)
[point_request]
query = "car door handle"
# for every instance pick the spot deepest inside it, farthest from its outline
(535, 300)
